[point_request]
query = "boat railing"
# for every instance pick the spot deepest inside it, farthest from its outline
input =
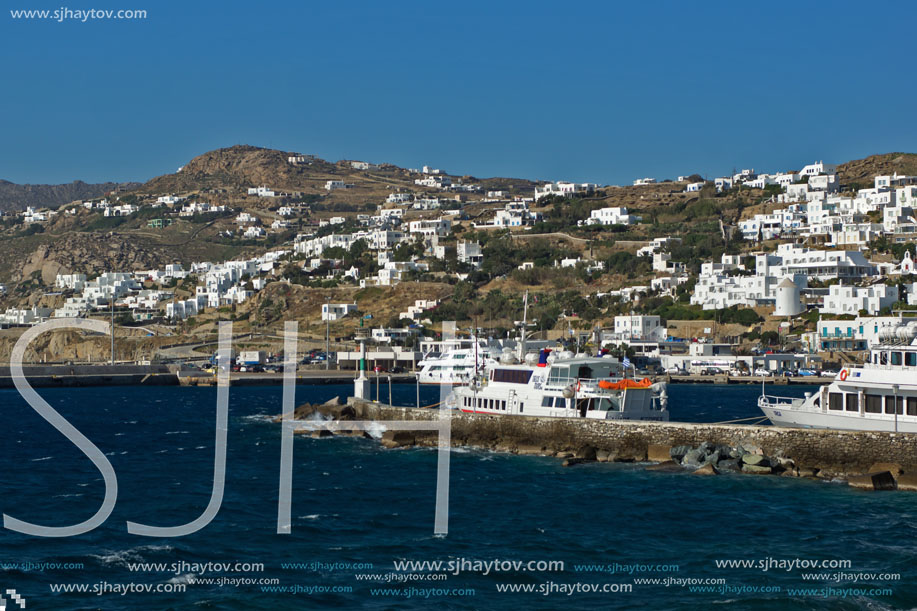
(590, 384)
(775, 401)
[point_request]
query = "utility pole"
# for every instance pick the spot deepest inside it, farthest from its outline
(113, 329)
(328, 335)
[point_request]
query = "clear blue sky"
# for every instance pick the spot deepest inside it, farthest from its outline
(598, 91)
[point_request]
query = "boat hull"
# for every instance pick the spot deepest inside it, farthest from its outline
(798, 418)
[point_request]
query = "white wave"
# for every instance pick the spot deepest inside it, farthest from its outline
(176, 432)
(185, 578)
(311, 516)
(375, 429)
(42, 458)
(134, 554)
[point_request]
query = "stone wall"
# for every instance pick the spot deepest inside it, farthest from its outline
(838, 451)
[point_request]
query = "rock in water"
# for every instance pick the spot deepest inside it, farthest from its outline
(398, 439)
(321, 433)
(881, 480)
(669, 466)
(756, 469)
(730, 464)
(707, 469)
(807, 471)
(603, 456)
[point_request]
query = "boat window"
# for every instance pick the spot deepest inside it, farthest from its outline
(584, 372)
(873, 404)
(503, 405)
(912, 406)
(557, 374)
(890, 404)
(853, 403)
(910, 359)
(836, 401)
(883, 358)
(547, 401)
(896, 358)
(511, 376)
(521, 407)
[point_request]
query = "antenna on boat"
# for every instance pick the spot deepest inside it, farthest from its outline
(525, 314)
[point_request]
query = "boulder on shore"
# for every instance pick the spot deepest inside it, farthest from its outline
(658, 452)
(585, 453)
(707, 469)
(757, 469)
(756, 460)
(398, 439)
(881, 480)
(694, 458)
(892, 467)
(730, 464)
(604, 456)
(907, 482)
(678, 452)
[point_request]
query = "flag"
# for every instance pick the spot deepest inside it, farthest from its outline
(626, 362)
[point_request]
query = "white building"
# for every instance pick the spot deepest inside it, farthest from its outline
(612, 216)
(336, 311)
(563, 189)
(73, 282)
(332, 185)
(819, 167)
(860, 333)
(638, 327)
(470, 253)
(261, 191)
(852, 299)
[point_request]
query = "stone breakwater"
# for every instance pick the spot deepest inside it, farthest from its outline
(875, 460)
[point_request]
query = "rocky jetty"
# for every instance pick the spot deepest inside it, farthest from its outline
(751, 451)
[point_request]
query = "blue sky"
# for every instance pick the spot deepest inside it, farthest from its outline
(598, 91)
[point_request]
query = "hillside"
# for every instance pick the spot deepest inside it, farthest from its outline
(15, 197)
(862, 171)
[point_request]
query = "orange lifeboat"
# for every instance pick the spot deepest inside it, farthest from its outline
(625, 384)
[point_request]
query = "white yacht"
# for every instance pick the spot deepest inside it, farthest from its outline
(880, 395)
(458, 362)
(564, 386)
(456, 366)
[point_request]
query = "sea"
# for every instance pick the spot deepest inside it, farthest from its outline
(523, 532)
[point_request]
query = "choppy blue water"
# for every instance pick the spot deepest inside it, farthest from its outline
(356, 503)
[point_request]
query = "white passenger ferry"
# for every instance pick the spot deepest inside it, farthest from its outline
(880, 395)
(584, 387)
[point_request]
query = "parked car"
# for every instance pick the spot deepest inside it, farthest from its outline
(787, 373)
(675, 371)
(762, 372)
(829, 373)
(806, 372)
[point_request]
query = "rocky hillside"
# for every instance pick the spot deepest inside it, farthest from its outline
(862, 171)
(237, 167)
(15, 197)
